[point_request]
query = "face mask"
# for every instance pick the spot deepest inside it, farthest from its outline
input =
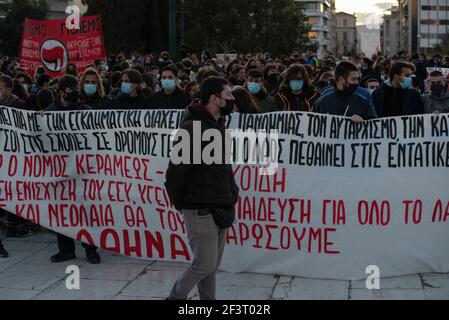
(349, 91)
(382, 77)
(371, 91)
(437, 90)
(254, 88)
(90, 89)
(72, 97)
(104, 67)
(274, 77)
(1, 96)
(168, 84)
(407, 83)
(228, 109)
(126, 88)
(296, 85)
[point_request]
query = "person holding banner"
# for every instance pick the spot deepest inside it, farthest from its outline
(345, 101)
(92, 90)
(437, 101)
(170, 96)
(205, 194)
(130, 96)
(68, 100)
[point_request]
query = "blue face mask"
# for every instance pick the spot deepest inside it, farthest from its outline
(168, 84)
(90, 89)
(296, 85)
(254, 88)
(382, 77)
(127, 88)
(407, 83)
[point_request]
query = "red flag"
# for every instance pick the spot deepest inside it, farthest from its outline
(51, 45)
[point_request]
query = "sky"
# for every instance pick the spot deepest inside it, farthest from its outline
(367, 11)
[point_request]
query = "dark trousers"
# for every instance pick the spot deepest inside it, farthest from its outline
(67, 245)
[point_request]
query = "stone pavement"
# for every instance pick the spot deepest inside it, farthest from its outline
(28, 274)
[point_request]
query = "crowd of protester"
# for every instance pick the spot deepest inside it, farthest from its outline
(359, 87)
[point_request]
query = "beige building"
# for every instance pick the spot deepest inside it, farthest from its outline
(347, 37)
(321, 18)
(390, 33)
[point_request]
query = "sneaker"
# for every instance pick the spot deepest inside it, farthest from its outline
(62, 257)
(3, 252)
(93, 257)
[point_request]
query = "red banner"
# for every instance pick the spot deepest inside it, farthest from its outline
(51, 45)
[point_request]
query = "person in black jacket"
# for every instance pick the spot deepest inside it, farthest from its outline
(396, 98)
(170, 96)
(68, 100)
(92, 91)
(131, 96)
(345, 101)
(295, 93)
(198, 190)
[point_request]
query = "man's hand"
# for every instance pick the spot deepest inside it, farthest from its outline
(357, 119)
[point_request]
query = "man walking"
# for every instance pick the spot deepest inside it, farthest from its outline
(204, 193)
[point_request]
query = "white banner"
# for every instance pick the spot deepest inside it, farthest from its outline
(346, 196)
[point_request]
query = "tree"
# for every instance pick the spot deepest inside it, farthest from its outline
(133, 24)
(12, 26)
(246, 25)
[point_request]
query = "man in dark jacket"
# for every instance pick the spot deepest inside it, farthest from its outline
(345, 101)
(170, 96)
(68, 100)
(199, 190)
(396, 98)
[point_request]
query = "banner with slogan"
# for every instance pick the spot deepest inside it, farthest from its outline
(444, 71)
(345, 196)
(50, 44)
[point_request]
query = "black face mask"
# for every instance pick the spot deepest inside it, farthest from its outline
(437, 89)
(228, 109)
(274, 77)
(349, 91)
(72, 97)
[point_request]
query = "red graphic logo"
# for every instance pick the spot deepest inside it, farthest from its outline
(54, 55)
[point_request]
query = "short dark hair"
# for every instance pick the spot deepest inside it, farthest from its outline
(67, 81)
(133, 75)
(255, 73)
(7, 80)
(436, 73)
(43, 79)
(44, 98)
(397, 67)
(212, 86)
(171, 68)
(344, 69)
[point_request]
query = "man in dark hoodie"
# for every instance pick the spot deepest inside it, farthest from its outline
(396, 98)
(68, 100)
(204, 193)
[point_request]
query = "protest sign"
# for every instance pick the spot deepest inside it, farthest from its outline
(345, 196)
(50, 44)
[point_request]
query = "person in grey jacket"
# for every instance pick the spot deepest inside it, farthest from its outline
(437, 101)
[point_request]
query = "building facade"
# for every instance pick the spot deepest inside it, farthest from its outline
(422, 24)
(390, 32)
(347, 36)
(321, 18)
